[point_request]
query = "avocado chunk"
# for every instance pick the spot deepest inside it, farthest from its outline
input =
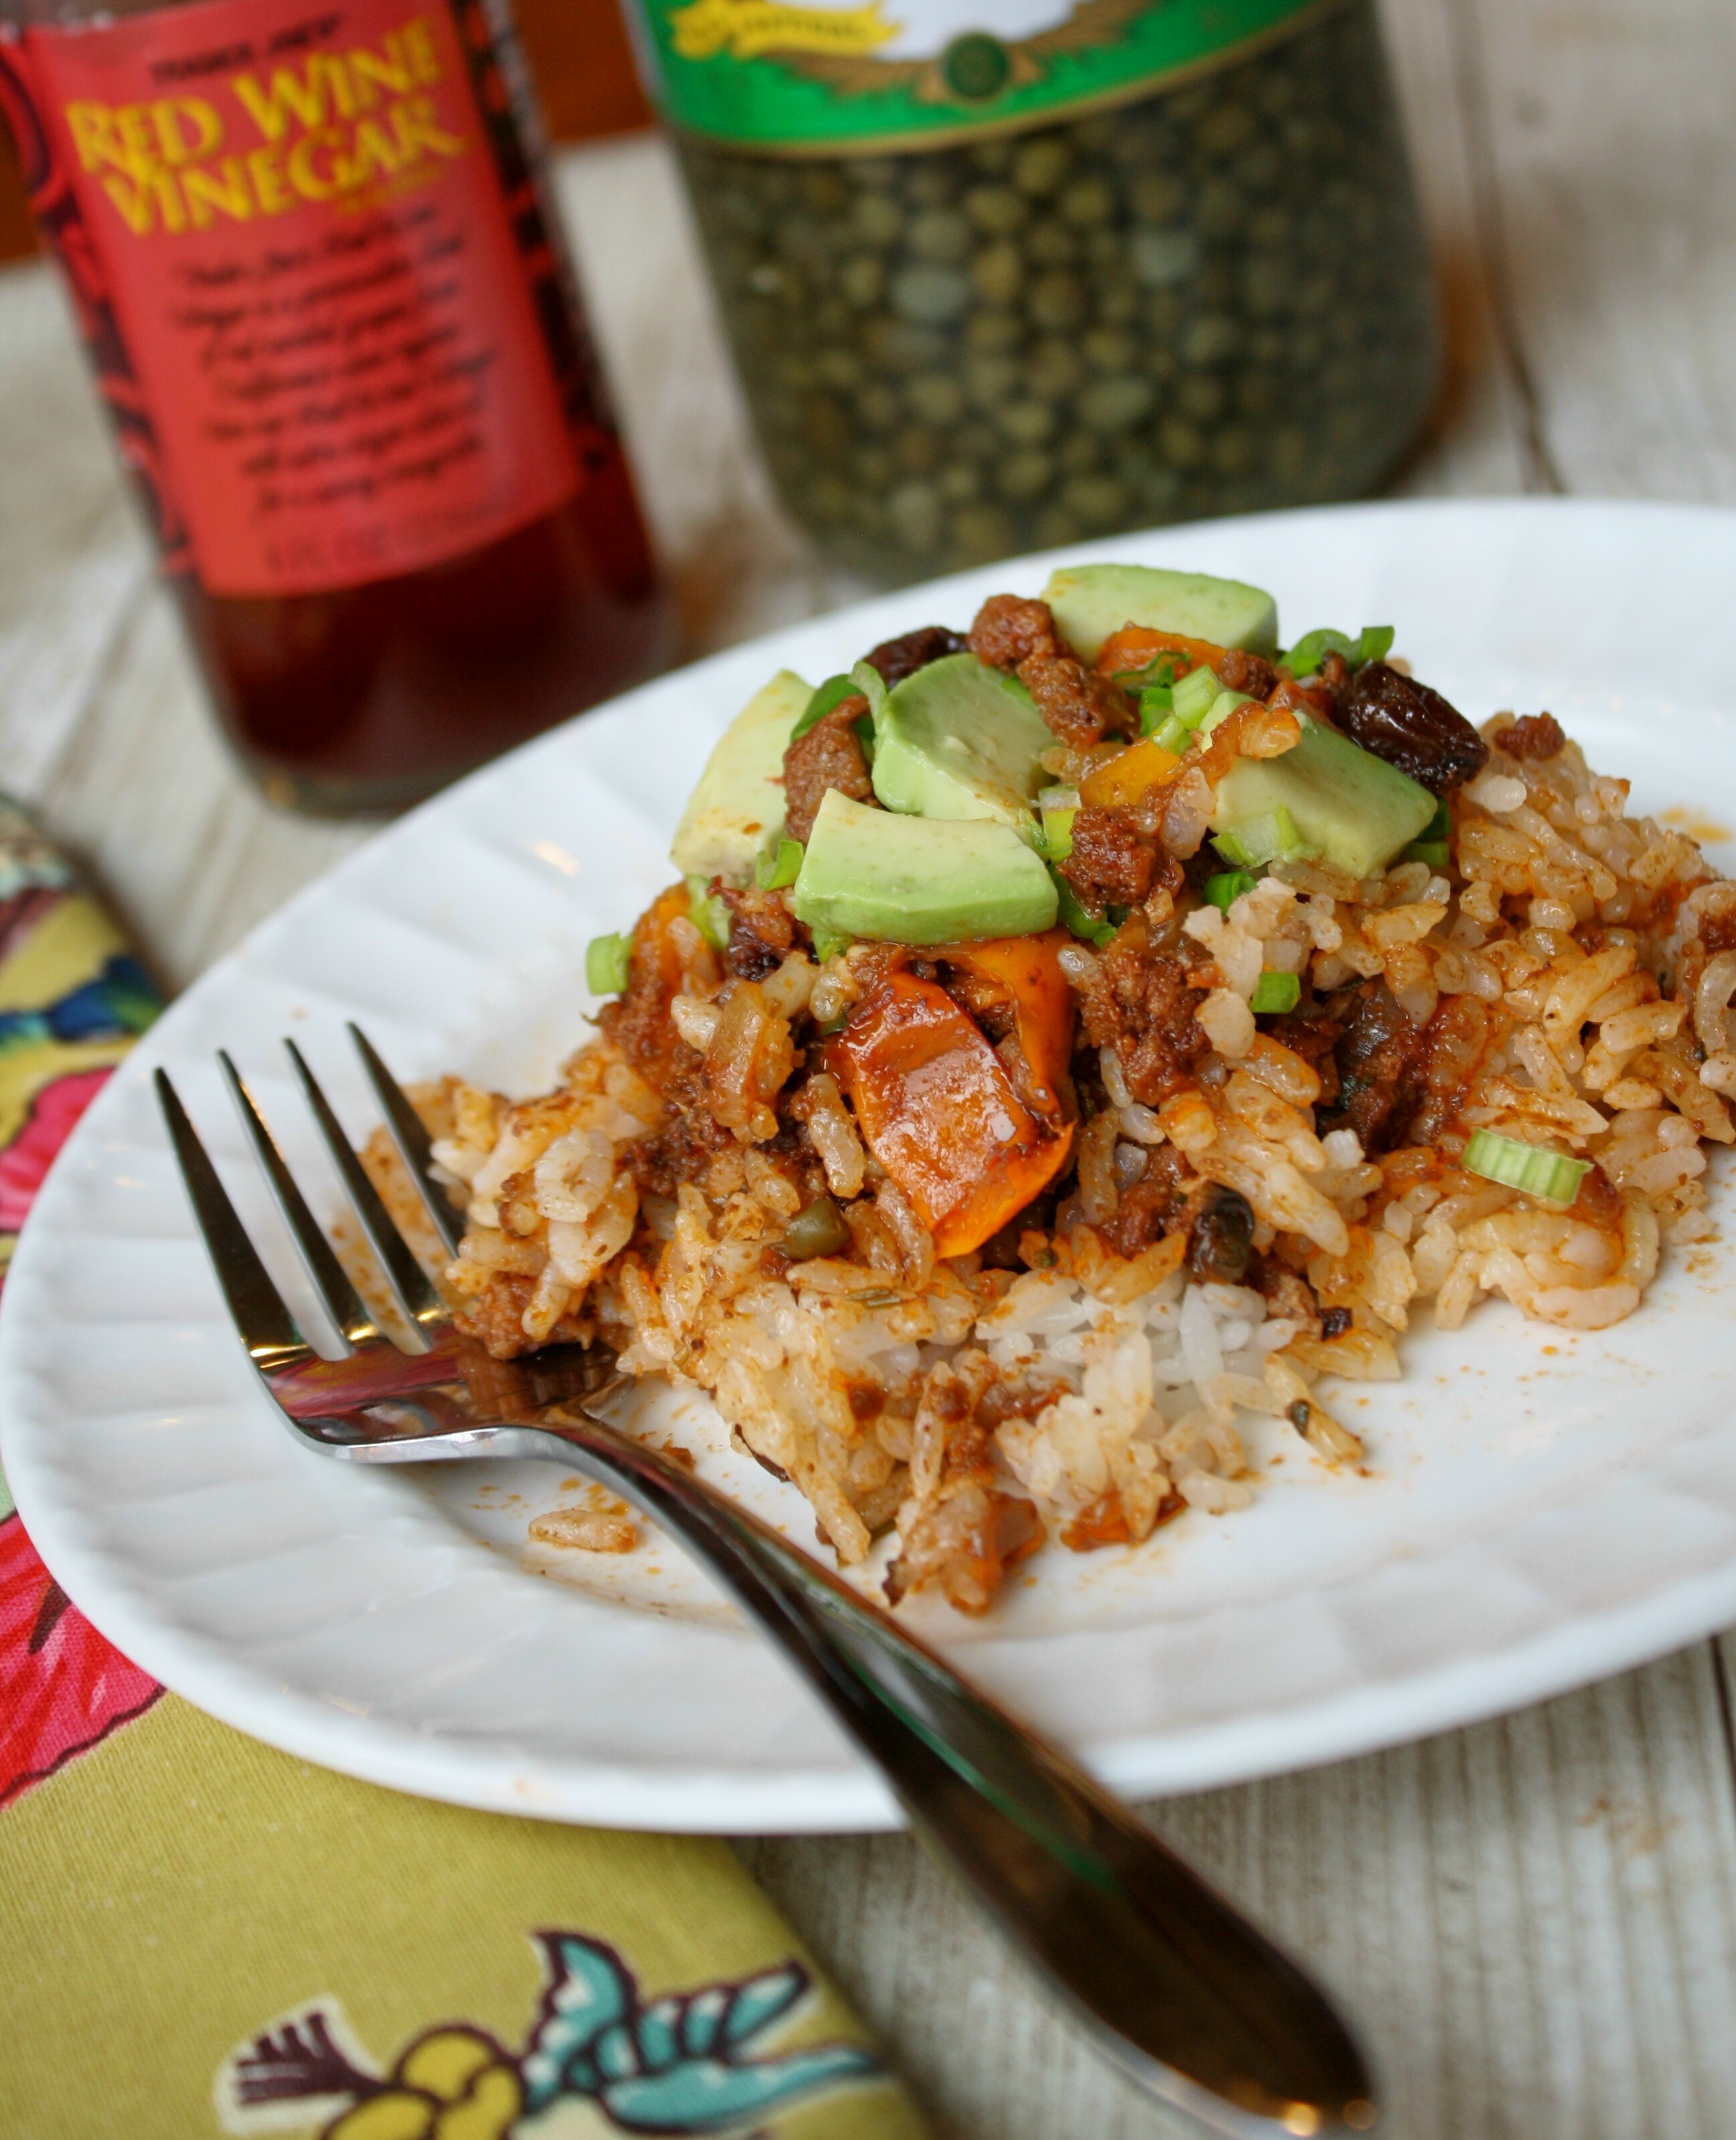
(905, 879)
(960, 740)
(1328, 799)
(1091, 603)
(736, 812)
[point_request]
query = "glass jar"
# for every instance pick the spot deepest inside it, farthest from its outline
(1203, 292)
(318, 276)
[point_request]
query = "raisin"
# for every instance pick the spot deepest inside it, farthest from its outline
(1334, 1322)
(1242, 671)
(1411, 727)
(895, 659)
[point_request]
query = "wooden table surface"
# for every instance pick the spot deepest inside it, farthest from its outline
(1533, 1921)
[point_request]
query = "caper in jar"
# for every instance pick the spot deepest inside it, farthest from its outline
(1213, 299)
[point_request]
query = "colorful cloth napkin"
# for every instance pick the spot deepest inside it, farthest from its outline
(204, 1936)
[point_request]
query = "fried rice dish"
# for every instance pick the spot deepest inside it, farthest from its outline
(1070, 1038)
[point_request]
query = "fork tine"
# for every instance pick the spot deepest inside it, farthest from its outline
(415, 1148)
(408, 1280)
(331, 1281)
(267, 1327)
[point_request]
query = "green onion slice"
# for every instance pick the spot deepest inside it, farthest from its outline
(772, 872)
(1075, 915)
(1275, 992)
(1057, 806)
(1174, 735)
(1373, 643)
(1194, 696)
(710, 916)
(828, 946)
(606, 965)
(1533, 1168)
(1227, 887)
(831, 693)
(1157, 706)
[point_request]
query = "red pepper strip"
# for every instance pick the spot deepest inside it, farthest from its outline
(1026, 970)
(937, 1110)
(1135, 646)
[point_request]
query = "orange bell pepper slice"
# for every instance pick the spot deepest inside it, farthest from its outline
(1025, 972)
(936, 1108)
(1134, 647)
(1125, 777)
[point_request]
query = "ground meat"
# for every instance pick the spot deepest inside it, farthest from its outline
(1163, 1200)
(1532, 735)
(1110, 861)
(1378, 1054)
(1289, 1295)
(1009, 630)
(1081, 706)
(830, 755)
(1141, 1002)
(497, 1319)
(1313, 1037)
(965, 1538)
(689, 1135)
(1239, 671)
(760, 933)
(895, 659)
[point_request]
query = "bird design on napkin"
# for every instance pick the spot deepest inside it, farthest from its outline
(688, 2062)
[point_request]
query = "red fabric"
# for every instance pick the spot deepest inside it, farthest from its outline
(63, 1687)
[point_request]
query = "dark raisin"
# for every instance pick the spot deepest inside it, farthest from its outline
(895, 659)
(1222, 1238)
(1532, 735)
(1411, 727)
(1334, 1322)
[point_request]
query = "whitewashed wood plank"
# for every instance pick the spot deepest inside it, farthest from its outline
(1610, 137)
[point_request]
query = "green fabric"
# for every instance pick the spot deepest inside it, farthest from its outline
(180, 1890)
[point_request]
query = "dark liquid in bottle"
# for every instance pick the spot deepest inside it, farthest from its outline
(367, 696)
(370, 697)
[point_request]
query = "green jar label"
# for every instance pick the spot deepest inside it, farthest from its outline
(830, 74)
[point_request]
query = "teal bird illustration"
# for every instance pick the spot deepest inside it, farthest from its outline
(680, 2064)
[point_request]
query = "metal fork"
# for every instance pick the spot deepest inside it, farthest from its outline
(1173, 1984)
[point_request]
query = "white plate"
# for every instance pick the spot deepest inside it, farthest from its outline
(1540, 1510)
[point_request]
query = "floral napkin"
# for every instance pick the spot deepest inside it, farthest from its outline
(204, 1936)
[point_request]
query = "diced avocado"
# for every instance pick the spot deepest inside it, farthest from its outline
(1345, 806)
(871, 872)
(1091, 603)
(736, 812)
(954, 742)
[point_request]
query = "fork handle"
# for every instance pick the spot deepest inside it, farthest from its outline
(1189, 1998)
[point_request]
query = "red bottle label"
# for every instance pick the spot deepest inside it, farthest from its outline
(289, 221)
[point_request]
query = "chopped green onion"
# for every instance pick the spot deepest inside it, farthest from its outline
(1227, 887)
(1057, 806)
(1194, 696)
(1533, 1168)
(1076, 916)
(1277, 992)
(1373, 643)
(1430, 844)
(1156, 707)
(828, 946)
(1173, 736)
(1259, 840)
(710, 916)
(872, 685)
(772, 872)
(831, 694)
(606, 965)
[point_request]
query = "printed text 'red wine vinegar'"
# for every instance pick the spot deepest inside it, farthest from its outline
(342, 129)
